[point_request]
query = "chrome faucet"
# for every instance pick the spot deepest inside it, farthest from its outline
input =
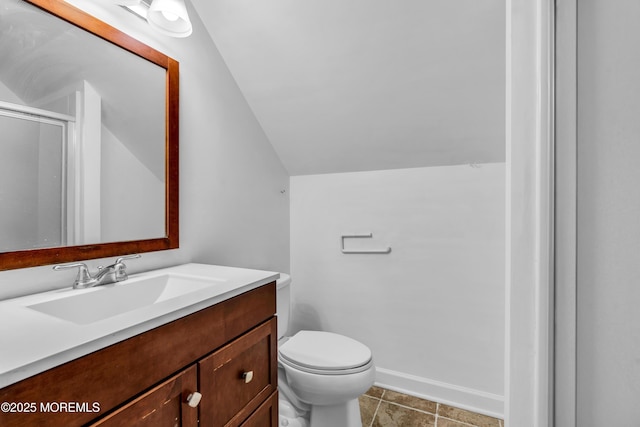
(116, 272)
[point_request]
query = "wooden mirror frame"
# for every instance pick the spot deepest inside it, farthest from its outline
(37, 257)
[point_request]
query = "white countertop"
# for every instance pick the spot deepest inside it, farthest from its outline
(32, 342)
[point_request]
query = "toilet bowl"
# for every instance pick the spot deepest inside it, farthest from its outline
(321, 374)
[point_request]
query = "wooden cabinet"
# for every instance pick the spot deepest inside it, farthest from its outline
(163, 406)
(226, 352)
(266, 415)
(239, 377)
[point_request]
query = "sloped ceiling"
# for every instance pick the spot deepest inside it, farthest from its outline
(352, 85)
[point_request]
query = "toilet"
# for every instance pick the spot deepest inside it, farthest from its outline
(320, 374)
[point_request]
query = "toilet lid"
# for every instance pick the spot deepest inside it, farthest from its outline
(325, 351)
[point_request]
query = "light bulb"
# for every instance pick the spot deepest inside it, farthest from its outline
(170, 16)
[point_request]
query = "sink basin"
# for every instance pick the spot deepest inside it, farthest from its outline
(88, 306)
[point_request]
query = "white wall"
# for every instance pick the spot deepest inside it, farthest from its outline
(432, 310)
(132, 198)
(608, 290)
(232, 210)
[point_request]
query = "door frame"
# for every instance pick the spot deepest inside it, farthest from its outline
(530, 204)
(566, 134)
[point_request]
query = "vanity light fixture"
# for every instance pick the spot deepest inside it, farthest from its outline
(169, 17)
(126, 3)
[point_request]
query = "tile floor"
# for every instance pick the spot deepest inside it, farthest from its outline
(385, 408)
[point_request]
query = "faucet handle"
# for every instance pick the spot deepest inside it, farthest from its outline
(121, 269)
(83, 279)
(122, 258)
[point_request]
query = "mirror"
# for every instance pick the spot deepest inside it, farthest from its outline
(89, 146)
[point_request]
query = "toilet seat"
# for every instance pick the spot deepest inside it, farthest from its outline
(324, 371)
(325, 353)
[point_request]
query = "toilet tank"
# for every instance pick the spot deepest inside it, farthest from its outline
(283, 303)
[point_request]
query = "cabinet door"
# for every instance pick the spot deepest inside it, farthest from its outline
(238, 378)
(266, 415)
(163, 406)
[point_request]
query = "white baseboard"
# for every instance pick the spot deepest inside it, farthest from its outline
(437, 391)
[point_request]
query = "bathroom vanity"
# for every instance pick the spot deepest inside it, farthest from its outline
(209, 361)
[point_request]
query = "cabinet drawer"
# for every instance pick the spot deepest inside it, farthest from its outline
(266, 415)
(238, 378)
(163, 406)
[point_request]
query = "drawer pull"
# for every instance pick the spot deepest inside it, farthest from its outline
(194, 399)
(247, 376)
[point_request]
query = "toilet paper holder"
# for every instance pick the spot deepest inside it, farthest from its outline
(361, 251)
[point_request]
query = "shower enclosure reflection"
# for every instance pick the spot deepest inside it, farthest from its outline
(34, 207)
(82, 152)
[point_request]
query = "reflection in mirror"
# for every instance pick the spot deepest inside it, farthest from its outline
(32, 184)
(85, 125)
(111, 102)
